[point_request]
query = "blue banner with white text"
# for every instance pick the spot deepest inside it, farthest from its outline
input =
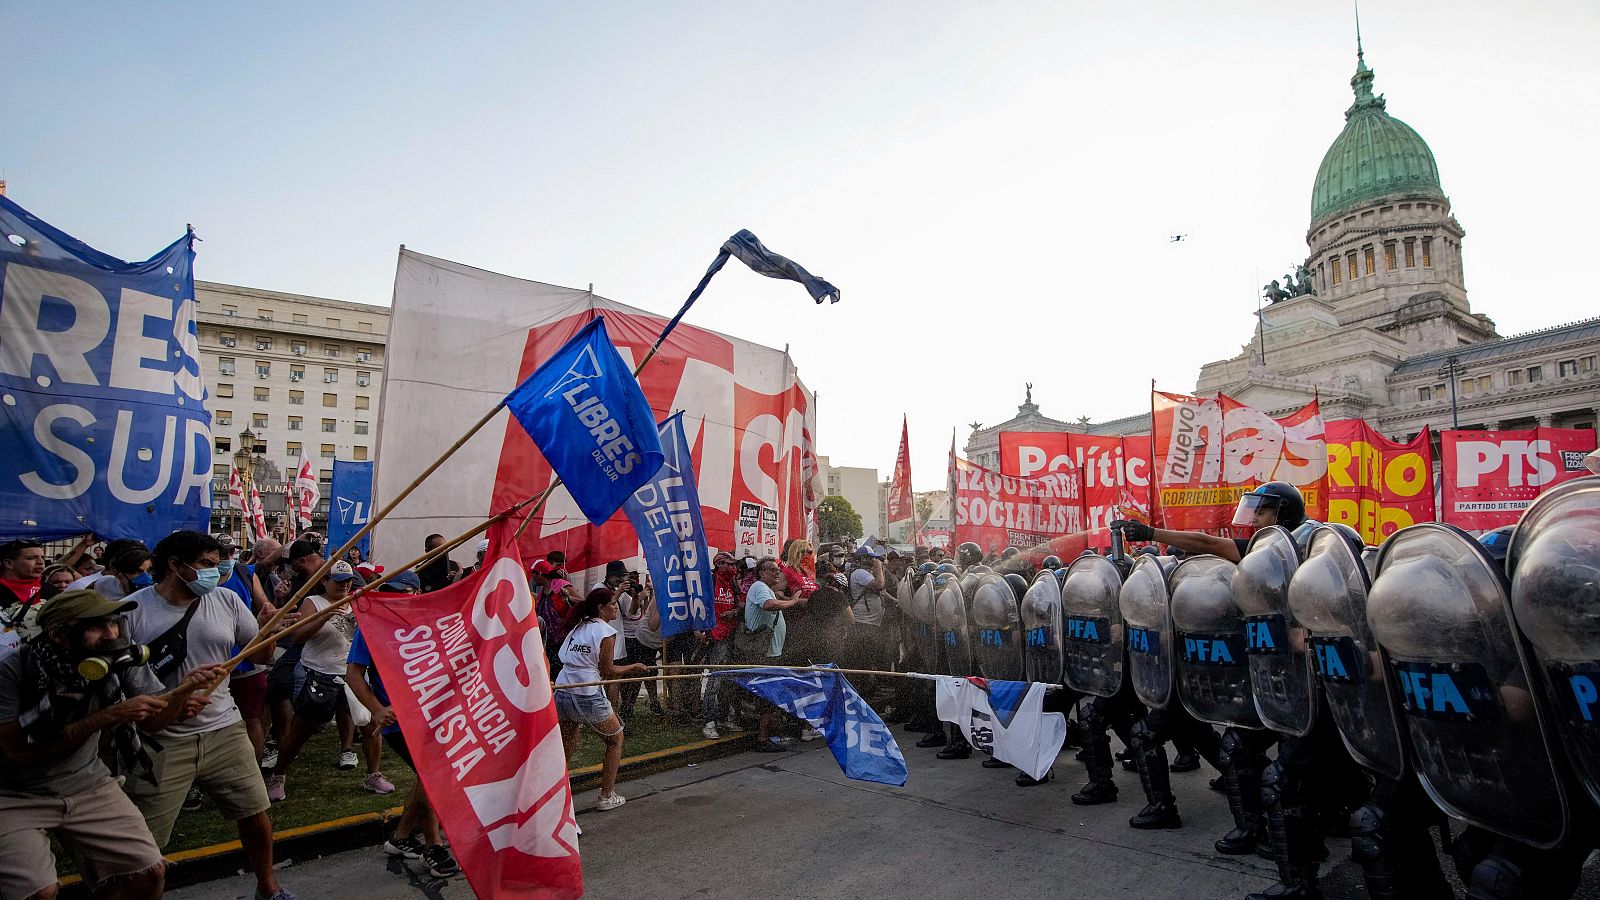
(350, 505)
(666, 514)
(102, 408)
(861, 743)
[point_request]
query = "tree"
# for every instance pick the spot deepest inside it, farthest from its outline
(924, 508)
(837, 520)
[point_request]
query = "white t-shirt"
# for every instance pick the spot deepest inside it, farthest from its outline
(630, 613)
(221, 623)
(580, 655)
(84, 582)
(327, 651)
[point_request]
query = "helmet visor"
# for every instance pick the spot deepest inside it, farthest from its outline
(1245, 512)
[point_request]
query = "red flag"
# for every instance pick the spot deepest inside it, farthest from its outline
(468, 682)
(236, 497)
(305, 484)
(900, 507)
(258, 516)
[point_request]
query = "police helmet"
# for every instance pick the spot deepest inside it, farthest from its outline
(1009, 552)
(1019, 585)
(945, 568)
(943, 580)
(1497, 542)
(1051, 562)
(968, 554)
(924, 568)
(1147, 550)
(978, 570)
(1276, 495)
(1351, 537)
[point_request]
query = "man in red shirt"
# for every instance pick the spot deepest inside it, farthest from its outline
(725, 605)
(21, 564)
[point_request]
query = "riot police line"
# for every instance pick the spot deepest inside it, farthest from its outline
(1438, 677)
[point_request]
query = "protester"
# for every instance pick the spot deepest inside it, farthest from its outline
(633, 607)
(799, 567)
(587, 655)
(325, 652)
(21, 564)
(434, 576)
(416, 832)
(125, 572)
(248, 683)
(190, 623)
(725, 603)
(55, 580)
(764, 622)
(52, 779)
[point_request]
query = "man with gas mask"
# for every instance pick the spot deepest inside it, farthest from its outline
(190, 621)
(79, 677)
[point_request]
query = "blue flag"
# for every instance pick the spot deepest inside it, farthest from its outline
(350, 505)
(750, 251)
(861, 743)
(666, 514)
(591, 420)
(103, 422)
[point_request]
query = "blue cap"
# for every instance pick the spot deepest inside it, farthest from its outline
(405, 581)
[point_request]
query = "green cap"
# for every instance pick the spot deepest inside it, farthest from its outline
(73, 606)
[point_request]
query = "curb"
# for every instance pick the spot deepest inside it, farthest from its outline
(189, 867)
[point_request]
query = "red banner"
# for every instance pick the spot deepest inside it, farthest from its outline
(997, 511)
(468, 682)
(1375, 485)
(900, 506)
(1109, 466)
(1210, 451)
(1490, 477)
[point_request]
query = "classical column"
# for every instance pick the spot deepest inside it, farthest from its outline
(1547, 420)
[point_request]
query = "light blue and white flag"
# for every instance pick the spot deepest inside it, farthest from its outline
(1005, 719)
(861, 743)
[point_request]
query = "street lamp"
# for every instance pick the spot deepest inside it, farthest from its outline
(1450, 371)
(244, 461)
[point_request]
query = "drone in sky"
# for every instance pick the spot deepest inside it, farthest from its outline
(1176, 238)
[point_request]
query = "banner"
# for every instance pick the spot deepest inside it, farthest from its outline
(349, 505)
(104, 422)
(1375, 485)
(1108, 465)
(305, 485)
(900, 504)
(461, 338)
(467, 680)
(1005, 719)
(236, 499)
(997, 511)
(934, 537)
(1490, 477)
(258, 516)
(665, 513)
(861, 744)
(1207, 452)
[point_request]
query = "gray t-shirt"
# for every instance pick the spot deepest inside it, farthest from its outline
(867, 605)
(109, 587)
(77, 770)
(220, 624)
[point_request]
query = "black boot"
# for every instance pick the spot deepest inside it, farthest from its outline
(990, 762)
(957, 746)
(933, 739)
(1186, 762)
(1125, 757)
(1097, 760)
(1291, 841)
(1026, 780)
(1243, 783)
(1162, 810)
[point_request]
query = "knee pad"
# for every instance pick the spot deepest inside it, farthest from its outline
(1273, 784)
(1366, 834)
(1144, 737)
(1233, 748)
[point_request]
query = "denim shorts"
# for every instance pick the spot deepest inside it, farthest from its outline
(585, 709)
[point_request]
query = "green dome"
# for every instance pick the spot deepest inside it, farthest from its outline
(1375, 156)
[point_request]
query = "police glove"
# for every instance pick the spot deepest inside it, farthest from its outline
(1134, 531)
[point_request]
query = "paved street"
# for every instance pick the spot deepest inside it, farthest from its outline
(790, 825)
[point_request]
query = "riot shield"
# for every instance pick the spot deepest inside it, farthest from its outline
(1440, 610)
(924, 627)
(1041, 623)
(999, 624)
(1275, 645)
(1208, 629)
(1091, 622)
(950, 620)
(1328, 596)
(908, 636)
(1147, 614)
(1555, 594)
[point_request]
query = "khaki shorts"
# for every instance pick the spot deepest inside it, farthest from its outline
(98, 826)
(221, 763)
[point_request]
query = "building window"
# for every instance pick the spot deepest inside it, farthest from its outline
(329, 426)
(363, 402)
(224, 390)
(363, 354)
(297, 398)
(229, 310)
(330, 399)
(223, 417)
(1370, 260)
(258, 422)
(327, 453)
(361, 453)
(1389, 261)
(1515, 377)
(1350, 261)
(299, 318)
(293, 449)
(296, 423)
(228, 338)
(1322, 274)
(330, 376)
(363, 379)
(262, 395)
(226, 365)
(264, 315)
(1411, 253)
(1469, 386)
(1535, 373)
(364, 326)
(298, 348)
(1427, 253)
(297, 373)
(1566, 367)
(263, 368)
(330, 350)
(334, 323)
(361, 427)
(224, 445)
(221, 470)
(1337, 278)
(1424, 394)
(1586, 364)
(263, 343)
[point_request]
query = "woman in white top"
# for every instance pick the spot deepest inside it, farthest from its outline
(588, 654)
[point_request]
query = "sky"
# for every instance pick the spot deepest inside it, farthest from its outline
(991, 185)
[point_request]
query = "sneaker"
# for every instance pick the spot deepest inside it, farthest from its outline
(810, 734)
(378, 784)
(611, 801)
(347, 760)
(269, 756)
(193, 800)
(710, 732)
(409, 847)
(279, 894)
(440, 863)
(730, 725)
(275, 791)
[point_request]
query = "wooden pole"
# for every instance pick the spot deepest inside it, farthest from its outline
(747, 668)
